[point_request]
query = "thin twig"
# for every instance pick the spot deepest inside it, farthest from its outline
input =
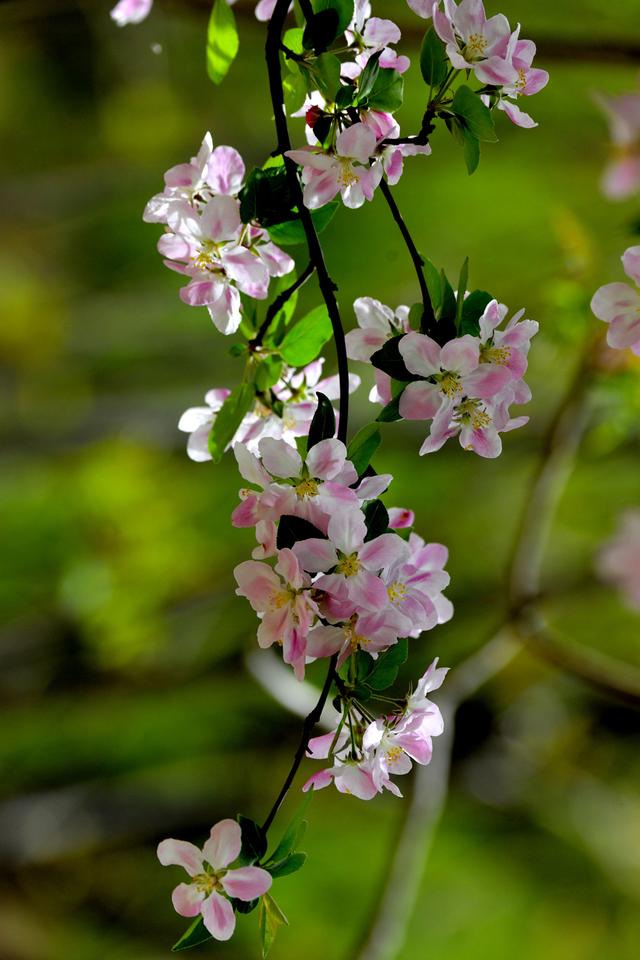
(279, 303)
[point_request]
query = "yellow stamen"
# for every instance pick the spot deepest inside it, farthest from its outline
(307, 488)
(349, 566)
(475, 47)
(396, 592)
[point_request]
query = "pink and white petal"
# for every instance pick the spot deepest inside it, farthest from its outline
(516, 115)
(257, 582)
(187, 899)
(420, 353)
(372, 487)
(367, 591)
(380, 33)
(249, 272)
(383, 551)
(624, 331)
(220, 219)
(225, 171)
(277, 262)
(348, 530)
(289, 568)
(226, 310)
(218, 916)
(318, 781)
(613, 300)
(361, 344)
(315, 555)
(180, 853)
(487, 380)
(400, 518)
(621, 178)
(246, 883)
(280, 458)
(461, 355)
(326, 459)
(357, 142)
(352, 779)
(324, 641)
(420, 401)
(373, 315)
(198, 444)
(631, 263)
(274, 627)
(224, 844)
(320, 190)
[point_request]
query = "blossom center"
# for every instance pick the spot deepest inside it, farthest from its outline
(207, 259)
(347, 176)
(282, 598)
(349, 566)
(501, 355)
(396, 591)
(475, 47)
(450, 384)
(471, 413)
(207, 882)
(521, 82)
(393, 755)
(307, 488)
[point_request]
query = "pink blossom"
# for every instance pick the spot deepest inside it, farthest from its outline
(281, 598)
(530, 80)
(508, 347)
(618, 304)
(377, 323)
(212, 884)
(131, 11)
(476, 43)
(415, 584)
(373, 632)
(622, 175)
(618, 561)
(198, 421)
(371, 35)
(347, 171)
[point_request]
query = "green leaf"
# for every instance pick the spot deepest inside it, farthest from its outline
(343, 9)
(434, 284)
(434, 64)
(363, 446)
(446, 326)
(270, 919)
(345, 96)
(193, 937)
(303, 343)
(229, 418)
(222, 41)
(294, 833)
(472, 309)
(376, 518)
(389, 359)
(369, 76)
(254, 841)
(462, 289)
(468, 105)
(323, 425)
(268, 373)
(291, 232)
(266, 196)
(391, 412)
(388, 91)
(292, 39)
(471, 151)
(330, 18)
(291, 529)
(386, 669)
(290, 864)
(326, 73)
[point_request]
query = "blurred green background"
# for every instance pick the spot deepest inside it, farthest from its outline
(128, 714)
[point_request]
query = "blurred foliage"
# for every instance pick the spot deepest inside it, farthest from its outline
(127, 714)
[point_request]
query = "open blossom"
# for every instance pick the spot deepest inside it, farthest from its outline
(347, 171)
(212, 883)
(354, 564)
(282, 599)
(618, 561)
(371, 35)
(621, 178)
(415, 584)
(371, 631)
(476, 43)
(509, 346)
(618, 304)
(377, 323)
(383, 748)
(530, 80)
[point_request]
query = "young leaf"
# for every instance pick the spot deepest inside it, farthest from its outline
(472, 309)
(468, 105)
(369, 76)
(326, 73)
(222, 41)
(391, 412)
(291, 529)
(389, 359)
(291, 232)
(470, 151)
(254, 841)
(363, 446)
(323, 425)
(387, 92)
(287, 866)
(270, 919)
(446, 326)
(386, 668)
(294, 832)
(434, 64)
(303, 343)
(434, 284)
(268, 373)
(229, 418)
(376, 518)
(193, 937)
(266, 196)
(462, 289)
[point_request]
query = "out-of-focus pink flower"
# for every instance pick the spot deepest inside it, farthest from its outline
(348, 171)
(131, 11)
(618, 561)
(618, 304)
(212, 883)
(622, 176)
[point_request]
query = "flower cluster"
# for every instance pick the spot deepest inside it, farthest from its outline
(618, 304)
(618, 562)
(284, 412)
(354, 586)
(465, 388)
(206, 239)
(134, 11)
(213, 882)
(365, 753)
(621, 178)
(488, 47)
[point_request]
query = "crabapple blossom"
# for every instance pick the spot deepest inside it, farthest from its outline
(370, 631)
(415, 584)
(508, 347)
(346, 171)
(621, 178)
(618, 304)
(618, 561)
(131, 11)
(530, 80)
(281, 598)
(476, 43)
(354, 562)
(377, 323)
(371, 35)
(212, 882)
